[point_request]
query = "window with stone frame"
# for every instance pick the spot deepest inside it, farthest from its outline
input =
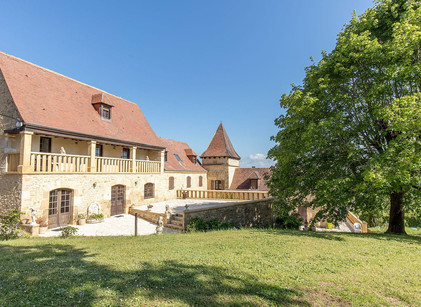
(171, 183)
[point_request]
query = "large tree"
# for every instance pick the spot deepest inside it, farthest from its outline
(351, 133)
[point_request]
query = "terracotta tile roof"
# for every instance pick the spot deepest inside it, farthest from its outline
(175, 147)
(220, 146)
(242, 176)
(48, 99)
(190, 152)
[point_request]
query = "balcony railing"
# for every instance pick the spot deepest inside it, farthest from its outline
(58, 163)
(223, 194)
(64, 163)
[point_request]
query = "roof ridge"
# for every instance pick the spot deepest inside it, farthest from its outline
(61, 75)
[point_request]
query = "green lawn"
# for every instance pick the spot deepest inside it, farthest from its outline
(240, 268)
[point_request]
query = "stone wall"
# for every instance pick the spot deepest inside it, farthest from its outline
(7, 107)
(91, 187)
(244, 214)
(10, 192)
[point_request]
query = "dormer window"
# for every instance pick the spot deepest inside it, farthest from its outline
(102, 105)
(106, 112)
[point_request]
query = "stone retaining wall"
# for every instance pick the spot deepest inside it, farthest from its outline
(245, 214)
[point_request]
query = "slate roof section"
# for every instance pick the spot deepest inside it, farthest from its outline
(47, 99)
(242, 176)
(220, 146)
(180, 148)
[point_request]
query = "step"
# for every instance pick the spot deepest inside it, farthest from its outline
(178, 218)
(175, 222)
(175, 226)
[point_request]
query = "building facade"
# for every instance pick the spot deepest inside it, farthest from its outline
(65, 145)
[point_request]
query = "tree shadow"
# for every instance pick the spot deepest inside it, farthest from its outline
(341, 236)
(62, 275)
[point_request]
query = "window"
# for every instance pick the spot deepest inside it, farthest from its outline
(178, 158)
(44, 144)
(126, 153)
(166, 156)
(171, 183)
(194, 160)
(149, 190)
(106, 112)
(200, 181)
(253, 184)
(188, 181)
(98, 150)
(219, 184)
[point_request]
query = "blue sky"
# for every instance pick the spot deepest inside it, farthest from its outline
(187, 64)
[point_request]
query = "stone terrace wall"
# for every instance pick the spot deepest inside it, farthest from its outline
(246, 214)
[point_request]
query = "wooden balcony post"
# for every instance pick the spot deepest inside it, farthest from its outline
(92, 160)
(162, 160)
(25, 152)
(133, 155)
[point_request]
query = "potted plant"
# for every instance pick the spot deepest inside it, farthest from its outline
(43, 224)
(95, 218)
(81, 219)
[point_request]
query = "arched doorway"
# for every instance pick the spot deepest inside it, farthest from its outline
(118, 199)
(60, 208)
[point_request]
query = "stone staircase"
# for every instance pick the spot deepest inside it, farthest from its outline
(176, 221)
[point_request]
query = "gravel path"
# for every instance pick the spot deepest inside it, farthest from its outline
(118, 225)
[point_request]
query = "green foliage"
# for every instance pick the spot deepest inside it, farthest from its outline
(96, 216)
(288, 221)
(69, 231)
(198, 224)
(350, 136)
(9, 225)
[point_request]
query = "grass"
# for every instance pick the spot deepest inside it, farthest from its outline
(237, 268)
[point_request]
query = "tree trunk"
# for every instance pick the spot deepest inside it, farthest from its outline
(396, 217)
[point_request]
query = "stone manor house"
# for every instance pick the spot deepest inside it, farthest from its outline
(65, 145)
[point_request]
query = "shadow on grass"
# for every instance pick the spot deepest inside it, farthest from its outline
(62, 275)
(335, 236)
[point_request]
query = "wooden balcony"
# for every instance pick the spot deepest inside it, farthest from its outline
(64, 163)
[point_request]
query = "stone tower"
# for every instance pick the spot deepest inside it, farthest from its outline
(220, 160)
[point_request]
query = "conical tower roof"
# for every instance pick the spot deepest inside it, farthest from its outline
(220, 146)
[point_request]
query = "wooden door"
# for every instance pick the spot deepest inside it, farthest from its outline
(60, 208)
(118, 199)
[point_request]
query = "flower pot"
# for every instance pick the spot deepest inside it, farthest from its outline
(81, 222)
(43, 230)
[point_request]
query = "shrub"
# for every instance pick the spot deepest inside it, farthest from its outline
(198, 224)
(9, 225)
(288, 221)
(81, 216)
(96, 216)
(68, 231)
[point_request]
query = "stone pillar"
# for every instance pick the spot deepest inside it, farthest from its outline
(92, 160)
(162, 160)
(25, 152)
(133, 155)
